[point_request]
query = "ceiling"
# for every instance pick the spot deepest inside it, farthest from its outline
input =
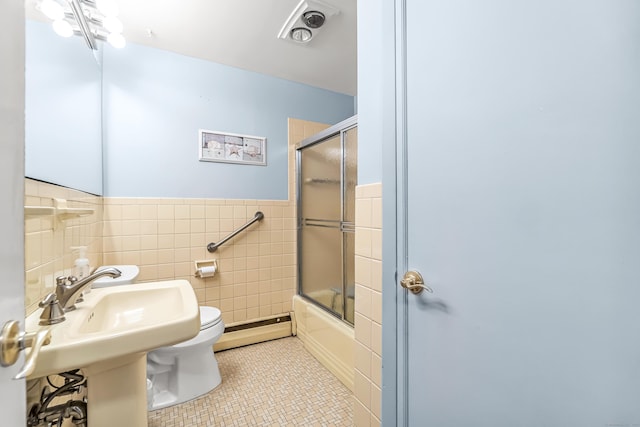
(243, 34)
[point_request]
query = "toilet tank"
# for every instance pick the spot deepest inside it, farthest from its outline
(128, 276)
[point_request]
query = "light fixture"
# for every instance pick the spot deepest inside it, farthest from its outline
(112, 25)
(306, 19)
(313, 19)
(91, 19)
(107, 7)
(116, 40)
(301, 35)
(62, 28)
(52, 9)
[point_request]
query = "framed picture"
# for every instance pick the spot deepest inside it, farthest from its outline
(232, 148)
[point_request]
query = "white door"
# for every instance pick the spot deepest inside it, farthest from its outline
(523, 213)
(12, 393)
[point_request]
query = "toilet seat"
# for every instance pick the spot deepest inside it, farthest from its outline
(209, 316)
(211, 328)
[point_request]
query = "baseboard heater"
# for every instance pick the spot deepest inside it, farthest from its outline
(238, 335)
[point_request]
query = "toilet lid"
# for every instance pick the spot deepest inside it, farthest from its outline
(209, 316)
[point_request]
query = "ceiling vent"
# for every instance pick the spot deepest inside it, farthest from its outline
(306, 20)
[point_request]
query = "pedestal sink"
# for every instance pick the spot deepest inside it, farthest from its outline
(108, 336)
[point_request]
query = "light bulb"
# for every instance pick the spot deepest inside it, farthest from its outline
(301, 35)
(52, 9)
(116, 40)
(107, 7)
(112, 24)
(62, 28)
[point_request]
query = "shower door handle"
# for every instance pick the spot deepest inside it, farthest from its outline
(414, 282)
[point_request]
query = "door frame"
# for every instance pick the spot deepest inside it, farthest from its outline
(12, 197)
(394, 225)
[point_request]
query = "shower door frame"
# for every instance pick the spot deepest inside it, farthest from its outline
(340, 129)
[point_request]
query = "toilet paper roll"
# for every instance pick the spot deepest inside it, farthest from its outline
(203, 272)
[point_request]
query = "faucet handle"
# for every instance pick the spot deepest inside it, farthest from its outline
(61, 280)
(72, 280)
(49, 299)
(52, 312)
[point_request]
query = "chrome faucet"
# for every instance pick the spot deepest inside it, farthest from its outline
(68, 289)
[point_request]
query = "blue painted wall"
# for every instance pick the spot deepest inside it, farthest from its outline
(155, 101)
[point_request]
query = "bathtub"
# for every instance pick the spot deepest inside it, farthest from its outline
(327, 338)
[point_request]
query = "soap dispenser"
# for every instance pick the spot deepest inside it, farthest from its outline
(82, 268)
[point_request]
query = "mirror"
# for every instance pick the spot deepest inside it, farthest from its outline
(63, 133)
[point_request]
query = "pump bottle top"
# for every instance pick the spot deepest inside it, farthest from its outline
(81, 250)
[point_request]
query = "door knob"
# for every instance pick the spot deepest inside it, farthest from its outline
(413, 281)
(12, 341)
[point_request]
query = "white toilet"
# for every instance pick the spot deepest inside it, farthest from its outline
(188, 369)
(183, 371)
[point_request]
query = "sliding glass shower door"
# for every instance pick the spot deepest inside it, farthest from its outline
(327, 176)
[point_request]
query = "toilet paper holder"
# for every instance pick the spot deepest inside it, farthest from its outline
(205, 268)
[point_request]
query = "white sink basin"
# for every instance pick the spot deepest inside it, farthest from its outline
(125, 311)
(116, 322)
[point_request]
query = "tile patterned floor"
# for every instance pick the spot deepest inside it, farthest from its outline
(276, 383)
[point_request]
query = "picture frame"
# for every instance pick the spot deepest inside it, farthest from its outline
(224, 147)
